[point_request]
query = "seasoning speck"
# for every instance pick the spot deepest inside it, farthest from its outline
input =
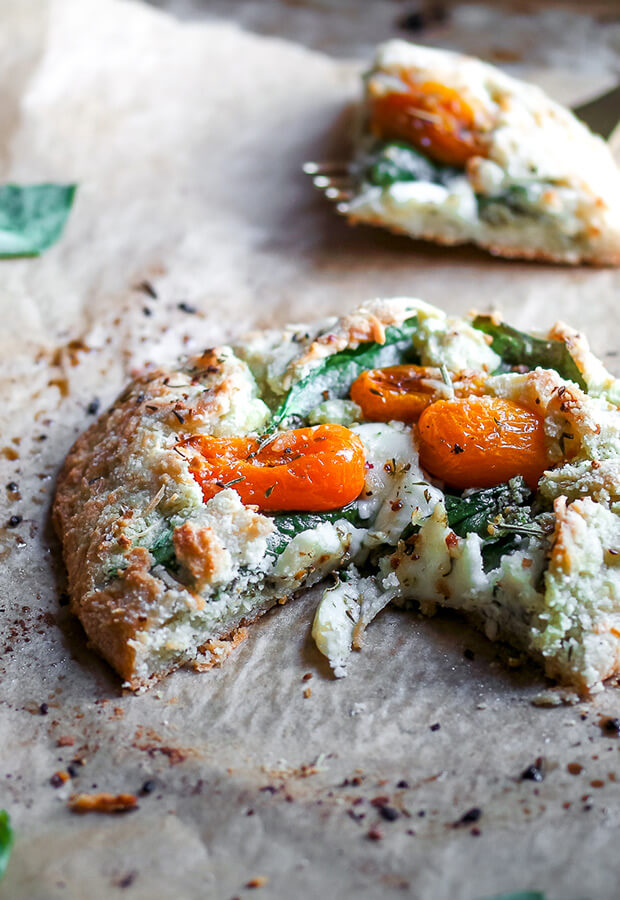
(389, 813)
(611, 726)
(93, 407)
(532, 773)
(148, 787)
(574, 768)
(58, 779)
(411, 22)
(435, 727)
(147, 288)
(14, 521)
(187, 308)
(44, 709)
(375, 834)
(258, 882)
(402, 784)
(472, 815)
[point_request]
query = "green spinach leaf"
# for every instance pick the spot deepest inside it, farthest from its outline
(6, 840)
(506, 507)
(162, 550)
(333, 377)
(517, 348)
(399, 161)
(32, 217)
(474, 512)
(290, 525)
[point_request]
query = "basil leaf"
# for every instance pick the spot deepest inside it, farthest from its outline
(289, 526)
(517, 348)
(519, 895)
(32, 217)
(335, 374)
(6, 840)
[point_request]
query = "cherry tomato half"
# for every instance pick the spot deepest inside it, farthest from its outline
(433, 118)
(481, 442)
(307, 469)
(396, 392)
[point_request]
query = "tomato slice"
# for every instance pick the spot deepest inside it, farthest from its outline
(432, 117)
(307, 469)
(396, 392)
(481, 442)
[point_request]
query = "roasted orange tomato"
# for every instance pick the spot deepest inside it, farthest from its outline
(310, 469)
(481, 442)
(396, 392)
(432, 117)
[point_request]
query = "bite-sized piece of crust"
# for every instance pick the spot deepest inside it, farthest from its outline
(102, 803)
(523, 138)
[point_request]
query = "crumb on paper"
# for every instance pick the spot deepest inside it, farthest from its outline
(59, 778)
(305, 770)
(308, 693)
(258, 882)
(102, 803)
(556, 697)
(65, 741)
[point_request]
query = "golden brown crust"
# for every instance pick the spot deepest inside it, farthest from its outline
(200, 550)
(537, 254)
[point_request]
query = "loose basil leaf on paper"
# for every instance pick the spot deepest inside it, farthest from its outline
(517, 348)
(32, 217)
(290, 525)
(6, 840)
(335, 374)
(519, 895)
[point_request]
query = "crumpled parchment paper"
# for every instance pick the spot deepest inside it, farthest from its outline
(187, 142)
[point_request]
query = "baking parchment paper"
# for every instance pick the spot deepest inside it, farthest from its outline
(187, 141)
